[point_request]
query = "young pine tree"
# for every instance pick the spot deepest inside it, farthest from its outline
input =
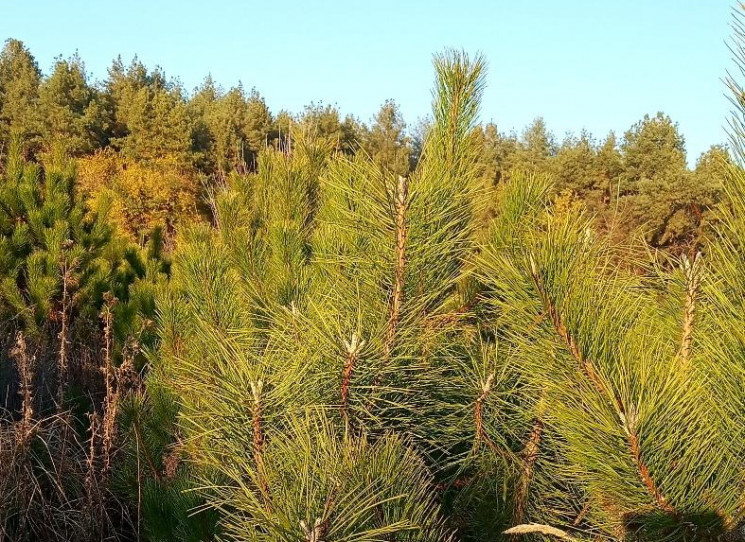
(306, 336)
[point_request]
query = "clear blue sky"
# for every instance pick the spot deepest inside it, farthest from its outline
(594, 64)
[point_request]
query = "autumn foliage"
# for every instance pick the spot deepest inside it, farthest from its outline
(143, 195)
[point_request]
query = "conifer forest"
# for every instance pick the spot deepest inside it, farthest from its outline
(220, 322)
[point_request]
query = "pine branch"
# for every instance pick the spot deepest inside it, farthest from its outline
(582, 513)
(478, 416)
(401, 207)
(588, 368)
(692, 271)
(353, 348)
(643, 470)
(258, 439)
(315, 534)
(529, 456)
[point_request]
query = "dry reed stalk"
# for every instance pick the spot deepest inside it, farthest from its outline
(25, 365)
(91, 474)
(62, 366)
(111, 400)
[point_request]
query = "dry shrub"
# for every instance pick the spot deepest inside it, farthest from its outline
(54, 469)
(160, 192)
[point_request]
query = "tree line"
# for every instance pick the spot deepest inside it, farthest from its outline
(157, 148)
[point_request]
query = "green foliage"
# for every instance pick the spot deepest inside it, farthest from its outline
(604, 354)
(653, 148)
(49, 238)
(322, 122)
(150, 117)
(538, 145)
(386, 141)
(285, 296)
(661, 193)
(237, 126)
(59, 262)
(578, 170)
(19, 89)
(447, 333)
(322, 486)
(71, 112)
(640, 188)
(536, 375)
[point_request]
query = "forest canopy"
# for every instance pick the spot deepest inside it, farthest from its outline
(157, 149)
